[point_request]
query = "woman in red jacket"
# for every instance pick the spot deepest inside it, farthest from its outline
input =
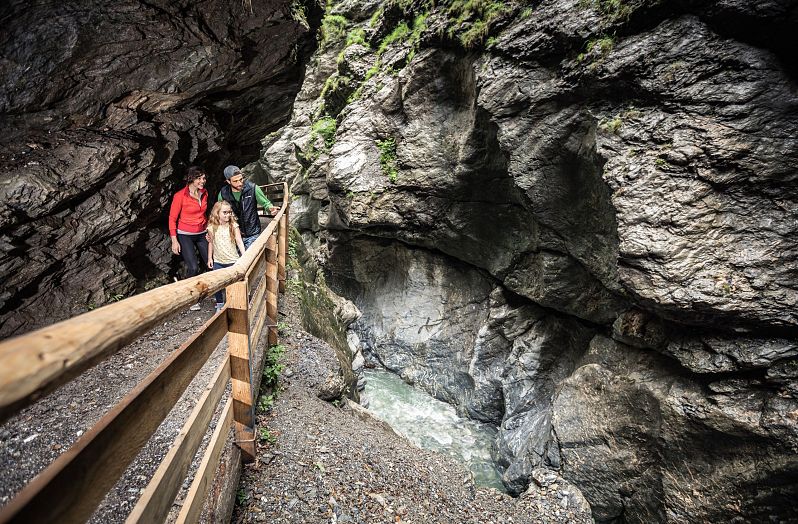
(188, 222)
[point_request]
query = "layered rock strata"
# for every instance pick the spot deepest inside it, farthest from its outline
(577, 220)
(103, 107)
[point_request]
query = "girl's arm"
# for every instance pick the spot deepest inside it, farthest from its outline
(239, 242)
(210, 249)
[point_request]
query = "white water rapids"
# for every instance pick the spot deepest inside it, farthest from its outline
(432, 424)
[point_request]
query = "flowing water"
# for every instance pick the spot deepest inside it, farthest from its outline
(432, 424)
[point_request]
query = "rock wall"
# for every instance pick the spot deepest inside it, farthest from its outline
(103, 106)
(578, 220)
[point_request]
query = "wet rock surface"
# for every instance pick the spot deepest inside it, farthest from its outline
(336, 463)
(590, 170)
(104, 107)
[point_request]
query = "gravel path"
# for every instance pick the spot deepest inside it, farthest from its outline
(35, 437)
(340, 465)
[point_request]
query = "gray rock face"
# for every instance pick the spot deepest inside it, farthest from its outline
(482, 349)
(646, 443)
(560, 185)
(103, 107)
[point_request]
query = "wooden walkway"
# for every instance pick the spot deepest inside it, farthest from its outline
(35, 364)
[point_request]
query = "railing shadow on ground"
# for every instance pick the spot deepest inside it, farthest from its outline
(35, 364)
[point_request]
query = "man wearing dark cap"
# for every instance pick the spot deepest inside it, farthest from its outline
(244, 197)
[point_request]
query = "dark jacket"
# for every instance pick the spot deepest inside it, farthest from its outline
(246, 210)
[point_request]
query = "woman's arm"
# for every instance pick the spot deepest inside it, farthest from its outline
(210, 249)
(174, 213)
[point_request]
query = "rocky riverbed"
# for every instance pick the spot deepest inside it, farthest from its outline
(335, 462)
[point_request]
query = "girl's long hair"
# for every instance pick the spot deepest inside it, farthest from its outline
(215, 219)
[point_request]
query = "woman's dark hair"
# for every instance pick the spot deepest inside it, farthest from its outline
(193, 173)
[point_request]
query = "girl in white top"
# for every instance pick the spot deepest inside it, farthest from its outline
(225, 246)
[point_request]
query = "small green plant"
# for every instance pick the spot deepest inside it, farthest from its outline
(375, 18)
(471, 20)
(299, 13)
(611, 10)
(334, 83)
(265, 402)
(356, 36)
(241, 497)
(333, 28)
(612, 126)
(324, 127)
(373, 70)
(398, 34)
(284, 329)
(526, 13)
(597, 49)
(662, 163)
(387, 149)
(266, 436)
(273, 367)
(294, 285)
(356, 94)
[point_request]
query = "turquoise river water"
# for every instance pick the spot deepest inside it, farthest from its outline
(432, 424)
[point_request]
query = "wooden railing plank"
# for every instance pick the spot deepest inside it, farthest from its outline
(283, 250)
(72, 486)
(192, 505)
(256, 269)
(272, 288)
(157, 499)
(257, 297)
(34, 364)
(257, 328)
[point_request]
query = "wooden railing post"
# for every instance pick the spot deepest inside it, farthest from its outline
(283, 242)
(272, 287)
(241, 368)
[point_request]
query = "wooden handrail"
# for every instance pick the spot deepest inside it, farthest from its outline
(34, 364)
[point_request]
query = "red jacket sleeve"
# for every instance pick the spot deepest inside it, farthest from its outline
(174, 212)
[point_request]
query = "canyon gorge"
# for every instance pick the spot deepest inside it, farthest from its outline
(575, 220)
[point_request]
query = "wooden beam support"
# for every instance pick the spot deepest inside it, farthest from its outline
(241, 368)
(71, 487)
(157, 499)
(192, 505)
